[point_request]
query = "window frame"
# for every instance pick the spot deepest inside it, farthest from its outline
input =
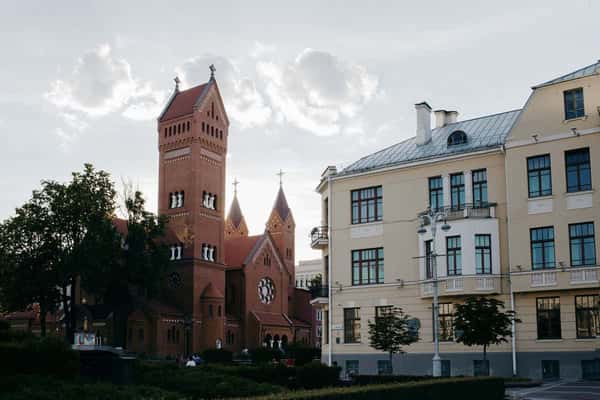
(539, 174)
(445, 322)
(352, 325)
(545, 264)
(480, 257)
(359, 263)
(356, 204)
(575, 106)
(591, 315)
(458, 190)
(581, 245)
(580, 186)
(550, 313)
(383, 311)
(436, 192)
(428, 259)
(479, 187)
(455, 254)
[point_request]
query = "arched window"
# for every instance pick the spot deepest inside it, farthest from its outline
(218, 311)
(202, 126)
(188, 126)
(456, 138)
(210, 311)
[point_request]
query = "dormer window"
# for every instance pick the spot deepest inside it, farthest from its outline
(456, 138)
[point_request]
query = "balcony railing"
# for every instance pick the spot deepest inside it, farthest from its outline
(483, 210)
(555, 278)
(319, 291)
(319, 238)
(462, 285)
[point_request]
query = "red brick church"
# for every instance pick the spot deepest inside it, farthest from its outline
(227, 289)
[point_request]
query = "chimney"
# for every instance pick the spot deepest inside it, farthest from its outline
(423, 123)
(443, 118)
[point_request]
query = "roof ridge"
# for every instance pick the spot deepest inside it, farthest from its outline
(481, 117)
(559, 78)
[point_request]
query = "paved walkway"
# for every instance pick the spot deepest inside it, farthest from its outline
(581, 390)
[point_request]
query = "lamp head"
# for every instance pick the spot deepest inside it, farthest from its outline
(445, 227)
(421, 230)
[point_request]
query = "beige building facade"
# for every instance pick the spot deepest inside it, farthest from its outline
(379, 252)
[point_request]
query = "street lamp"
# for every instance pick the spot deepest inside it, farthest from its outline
(434, 217)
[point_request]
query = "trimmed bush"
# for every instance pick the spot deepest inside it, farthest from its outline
(47, 356)
(263, 355)
(26, 387)
(383, 379)
(440, 389)
(302, 354)
(316, 375)
(200, 383)
(217, 356)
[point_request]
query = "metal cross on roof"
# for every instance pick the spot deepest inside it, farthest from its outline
(212, 70)
(280, 173)
(235, 185)
(177, 82)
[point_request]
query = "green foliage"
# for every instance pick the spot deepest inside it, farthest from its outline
(480, 321)
(439, 389)
(302, 354)
(317, 375)
(48, 356)
(263, 355)
(199, 383)
(39, 387)
(217, 356)
(385, 379)
(391, 331)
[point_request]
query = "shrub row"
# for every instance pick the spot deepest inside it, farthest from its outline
(440, 389)
(48, 356)
(382, 379)
(310, 376)
(200, 383)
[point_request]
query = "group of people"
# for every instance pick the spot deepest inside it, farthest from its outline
(191, 361)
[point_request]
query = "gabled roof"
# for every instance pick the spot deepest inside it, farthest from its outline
(183, 102)
(237, 249)
(281, 205)
(273, 319)
(592, 69)
(482, 133)
(211, 292)
(235, 212)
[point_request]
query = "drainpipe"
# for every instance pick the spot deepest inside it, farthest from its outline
(513, 328)
(329, 273)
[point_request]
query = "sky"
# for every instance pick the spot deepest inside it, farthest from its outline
(305, 84)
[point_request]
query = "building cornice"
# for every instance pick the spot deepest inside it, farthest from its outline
(551, 138)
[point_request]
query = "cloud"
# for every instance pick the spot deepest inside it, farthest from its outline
(245, 104)
(101, 84)
(318, 91)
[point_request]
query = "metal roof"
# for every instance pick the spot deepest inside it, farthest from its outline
(580, 73)
(482, 133)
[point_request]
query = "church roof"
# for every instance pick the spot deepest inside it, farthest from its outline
(235, 212)
(273, 319)
(281, 205)
(238, 249)
(182, 102)
(211, 292)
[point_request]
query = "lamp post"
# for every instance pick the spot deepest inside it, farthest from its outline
(434, 217)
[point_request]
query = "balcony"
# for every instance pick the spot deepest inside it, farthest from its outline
(319, 238)
(486, 210)
(555, 279)
(464, 285)
(319, 295)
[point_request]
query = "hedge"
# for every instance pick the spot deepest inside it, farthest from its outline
(199, 383)
(47, 356)
(27, 387)
(440, 389)
(217, 356)
(383, 379)
(264, 355)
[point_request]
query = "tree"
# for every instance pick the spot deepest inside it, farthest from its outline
(317, 281)
(480, 321)
(392, 330)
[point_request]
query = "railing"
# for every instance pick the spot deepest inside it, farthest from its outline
(583, 275)
(555, 278)
(483, 210)
(543, 278)
(454, 284)
(319, 291)
(319, 236)
(485, 283)
(462, 285)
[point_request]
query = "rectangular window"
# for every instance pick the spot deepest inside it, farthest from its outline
(577, 165)
(574, 103)
(351, 325)
(436, 193)
(383, 311)
(480, 196)
(367, 266)
(539, 176)
(582, 242)
(453, 255)
(352, 367)
(384, 367)
(548, 318)
(457, 191)
(446, 319)
(587, 316)
(428, 259)
(542, 247)
(483, 254)
(367, 205)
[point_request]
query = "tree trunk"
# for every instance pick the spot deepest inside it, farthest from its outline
(391, 365)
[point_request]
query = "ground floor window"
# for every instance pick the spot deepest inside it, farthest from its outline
(446, 318)
(548, 318)
(352, 367)
(550, 369)
(587, 316)
(384, 367)
(351, 325)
